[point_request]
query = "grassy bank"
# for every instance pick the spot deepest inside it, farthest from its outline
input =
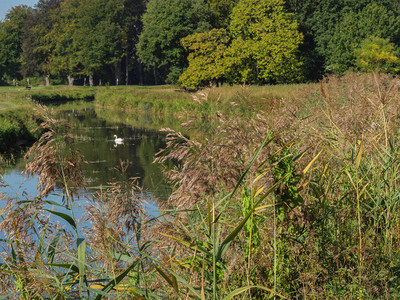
(170, 101)
(17, 120)
(157, 100)
(46, 95)
(163, 101)
(17, 127)
(17, 115)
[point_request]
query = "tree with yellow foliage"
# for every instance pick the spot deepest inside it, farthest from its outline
(377, 54)
(260, 46)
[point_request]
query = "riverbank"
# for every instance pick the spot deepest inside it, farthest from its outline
(17, 120)
(162, 100)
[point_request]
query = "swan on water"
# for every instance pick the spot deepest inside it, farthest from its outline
(118, 140)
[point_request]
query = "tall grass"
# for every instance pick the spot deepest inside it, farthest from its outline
(329, 229)
(142, 102)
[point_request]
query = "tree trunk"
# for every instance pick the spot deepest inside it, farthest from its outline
(126, 67)
(141, 80)
(155, 74)
(70, 80)
(47, 79)
(91, 80)
(118, 73)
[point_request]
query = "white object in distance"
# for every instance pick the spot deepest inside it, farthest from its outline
(118, 140)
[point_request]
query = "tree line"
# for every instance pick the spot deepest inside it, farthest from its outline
(197, 42)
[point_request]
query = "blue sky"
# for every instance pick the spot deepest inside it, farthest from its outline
(6, 5)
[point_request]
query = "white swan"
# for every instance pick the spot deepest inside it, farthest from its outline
(118, 140)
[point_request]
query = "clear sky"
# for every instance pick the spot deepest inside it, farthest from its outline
(6, 5)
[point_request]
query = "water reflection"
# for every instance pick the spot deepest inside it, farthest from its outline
(94, 137)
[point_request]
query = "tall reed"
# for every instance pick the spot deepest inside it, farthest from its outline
(327, 230)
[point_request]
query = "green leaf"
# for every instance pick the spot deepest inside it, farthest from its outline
(172, 282)
(266, 141)
(246, 288)
(53, 245)
(226, 242)
(67, 218)
(81, 243)
(117, 280)
(71, 267)
(54, 203)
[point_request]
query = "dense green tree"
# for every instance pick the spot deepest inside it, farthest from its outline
(165, 23)
(306, 12)
(373, 20)
(100, 37)
(11, 34)
(63, 60)
(36, 46)
(206, 58)
(318, 21)
(221, 9)
(82, 38)
(264, 40)
(133, 25)
(252, 41)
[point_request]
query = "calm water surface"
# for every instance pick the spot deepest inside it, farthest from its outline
(94, 138)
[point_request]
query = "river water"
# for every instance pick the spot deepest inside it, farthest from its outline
(94, 138)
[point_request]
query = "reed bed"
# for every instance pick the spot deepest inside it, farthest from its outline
(295, 200)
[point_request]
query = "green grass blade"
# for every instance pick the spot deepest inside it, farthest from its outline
(123, 257)
(117, 280)
(172, 282)
(246, 288)
(98, 292)
(185, 283)
(81, 243)
(266, 141)
(41, 242)
(226, 242)
(192, 246)
(71, 267)
(52, 247)
(67, 218)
